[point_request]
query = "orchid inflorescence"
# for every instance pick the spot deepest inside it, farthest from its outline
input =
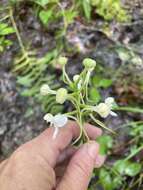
(77, 93)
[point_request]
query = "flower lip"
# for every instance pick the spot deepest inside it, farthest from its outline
(60, 120)
(56, 121)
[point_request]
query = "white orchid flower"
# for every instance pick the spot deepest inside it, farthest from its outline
(45, 90)
(56, 121)
(102, 109)
(105, 109)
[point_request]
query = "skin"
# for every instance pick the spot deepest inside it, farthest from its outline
(47, 164)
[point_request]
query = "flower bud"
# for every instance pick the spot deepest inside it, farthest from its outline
(89, 63)
(75, 78)
(45, 90)
(103, 110)
(62, 61)
(61, 95)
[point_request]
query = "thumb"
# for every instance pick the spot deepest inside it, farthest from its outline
(79, 170)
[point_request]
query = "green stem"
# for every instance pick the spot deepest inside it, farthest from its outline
(134, 153)
(65, 77)
(101, 124)
(64, 17)
(71, 113)
(129, 109)
(17, 33)
(4, 18)
(130, 123)
(80, 135)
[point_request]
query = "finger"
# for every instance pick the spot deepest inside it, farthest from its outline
(79, 170)
(66, 154)
(60, 169)
(50, 149)
(99, 161)
(93, 131)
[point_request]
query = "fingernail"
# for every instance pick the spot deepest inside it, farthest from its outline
(93, 149)
(100, 159)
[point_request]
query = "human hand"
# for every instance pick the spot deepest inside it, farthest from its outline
(43, 163)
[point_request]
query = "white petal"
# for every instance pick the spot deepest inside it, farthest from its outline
(55, 132)
(109, 101)
(60, 120)
(48, 117)
(113, 114)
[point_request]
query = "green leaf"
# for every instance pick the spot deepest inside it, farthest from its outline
(45, 16)
(3, 26)
(5, 29)
(117, 182)
(29, 92)
(87, 8)
(110, 10)
(133, 169)
(94, 95)
(106, 143)
(105, 83)
(96, 80)
(25, 81)
(42, 2)
(105, 179)
(70, 15)
(125, 167)
(121, 165)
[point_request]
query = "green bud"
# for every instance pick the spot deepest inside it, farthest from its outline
(63, 60)
(45, 90)
(61, 95)
(76, 78)
(89, 63)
